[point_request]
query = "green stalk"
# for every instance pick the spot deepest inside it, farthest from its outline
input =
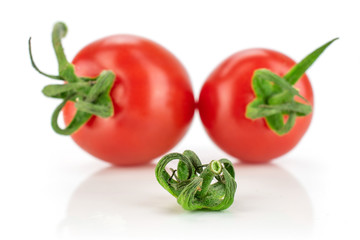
(193, 186)
(274, 95)
(91, 95)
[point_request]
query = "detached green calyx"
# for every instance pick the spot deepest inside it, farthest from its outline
(191, 183)
(91, 95)
(275, 95)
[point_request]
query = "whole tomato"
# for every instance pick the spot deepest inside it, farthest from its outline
(227, 93)
(151, 96)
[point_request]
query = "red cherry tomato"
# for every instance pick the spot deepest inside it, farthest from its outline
(152, 97)
(225, 96)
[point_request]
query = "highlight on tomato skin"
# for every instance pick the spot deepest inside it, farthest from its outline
(152, 97)
(229, 94)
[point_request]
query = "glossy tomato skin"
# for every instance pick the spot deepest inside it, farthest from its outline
(152, 97)
(227, 92)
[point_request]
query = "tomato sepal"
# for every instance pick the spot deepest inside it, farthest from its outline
(90, 94)
(275, 95)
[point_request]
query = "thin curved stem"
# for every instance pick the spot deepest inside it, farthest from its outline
(79, 119)
(57, 77)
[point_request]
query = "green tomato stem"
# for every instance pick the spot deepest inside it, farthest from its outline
(274, 95)
(90, 94)
(57, 77)
(194, 188)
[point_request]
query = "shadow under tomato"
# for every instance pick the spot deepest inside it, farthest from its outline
(129, 203)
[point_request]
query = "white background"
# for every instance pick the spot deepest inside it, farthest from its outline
(51, 189)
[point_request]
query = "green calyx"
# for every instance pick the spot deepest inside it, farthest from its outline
(90, 95)
(192, 183)
(274, 95)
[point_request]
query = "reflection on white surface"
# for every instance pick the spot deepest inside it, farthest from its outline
(118, 203)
